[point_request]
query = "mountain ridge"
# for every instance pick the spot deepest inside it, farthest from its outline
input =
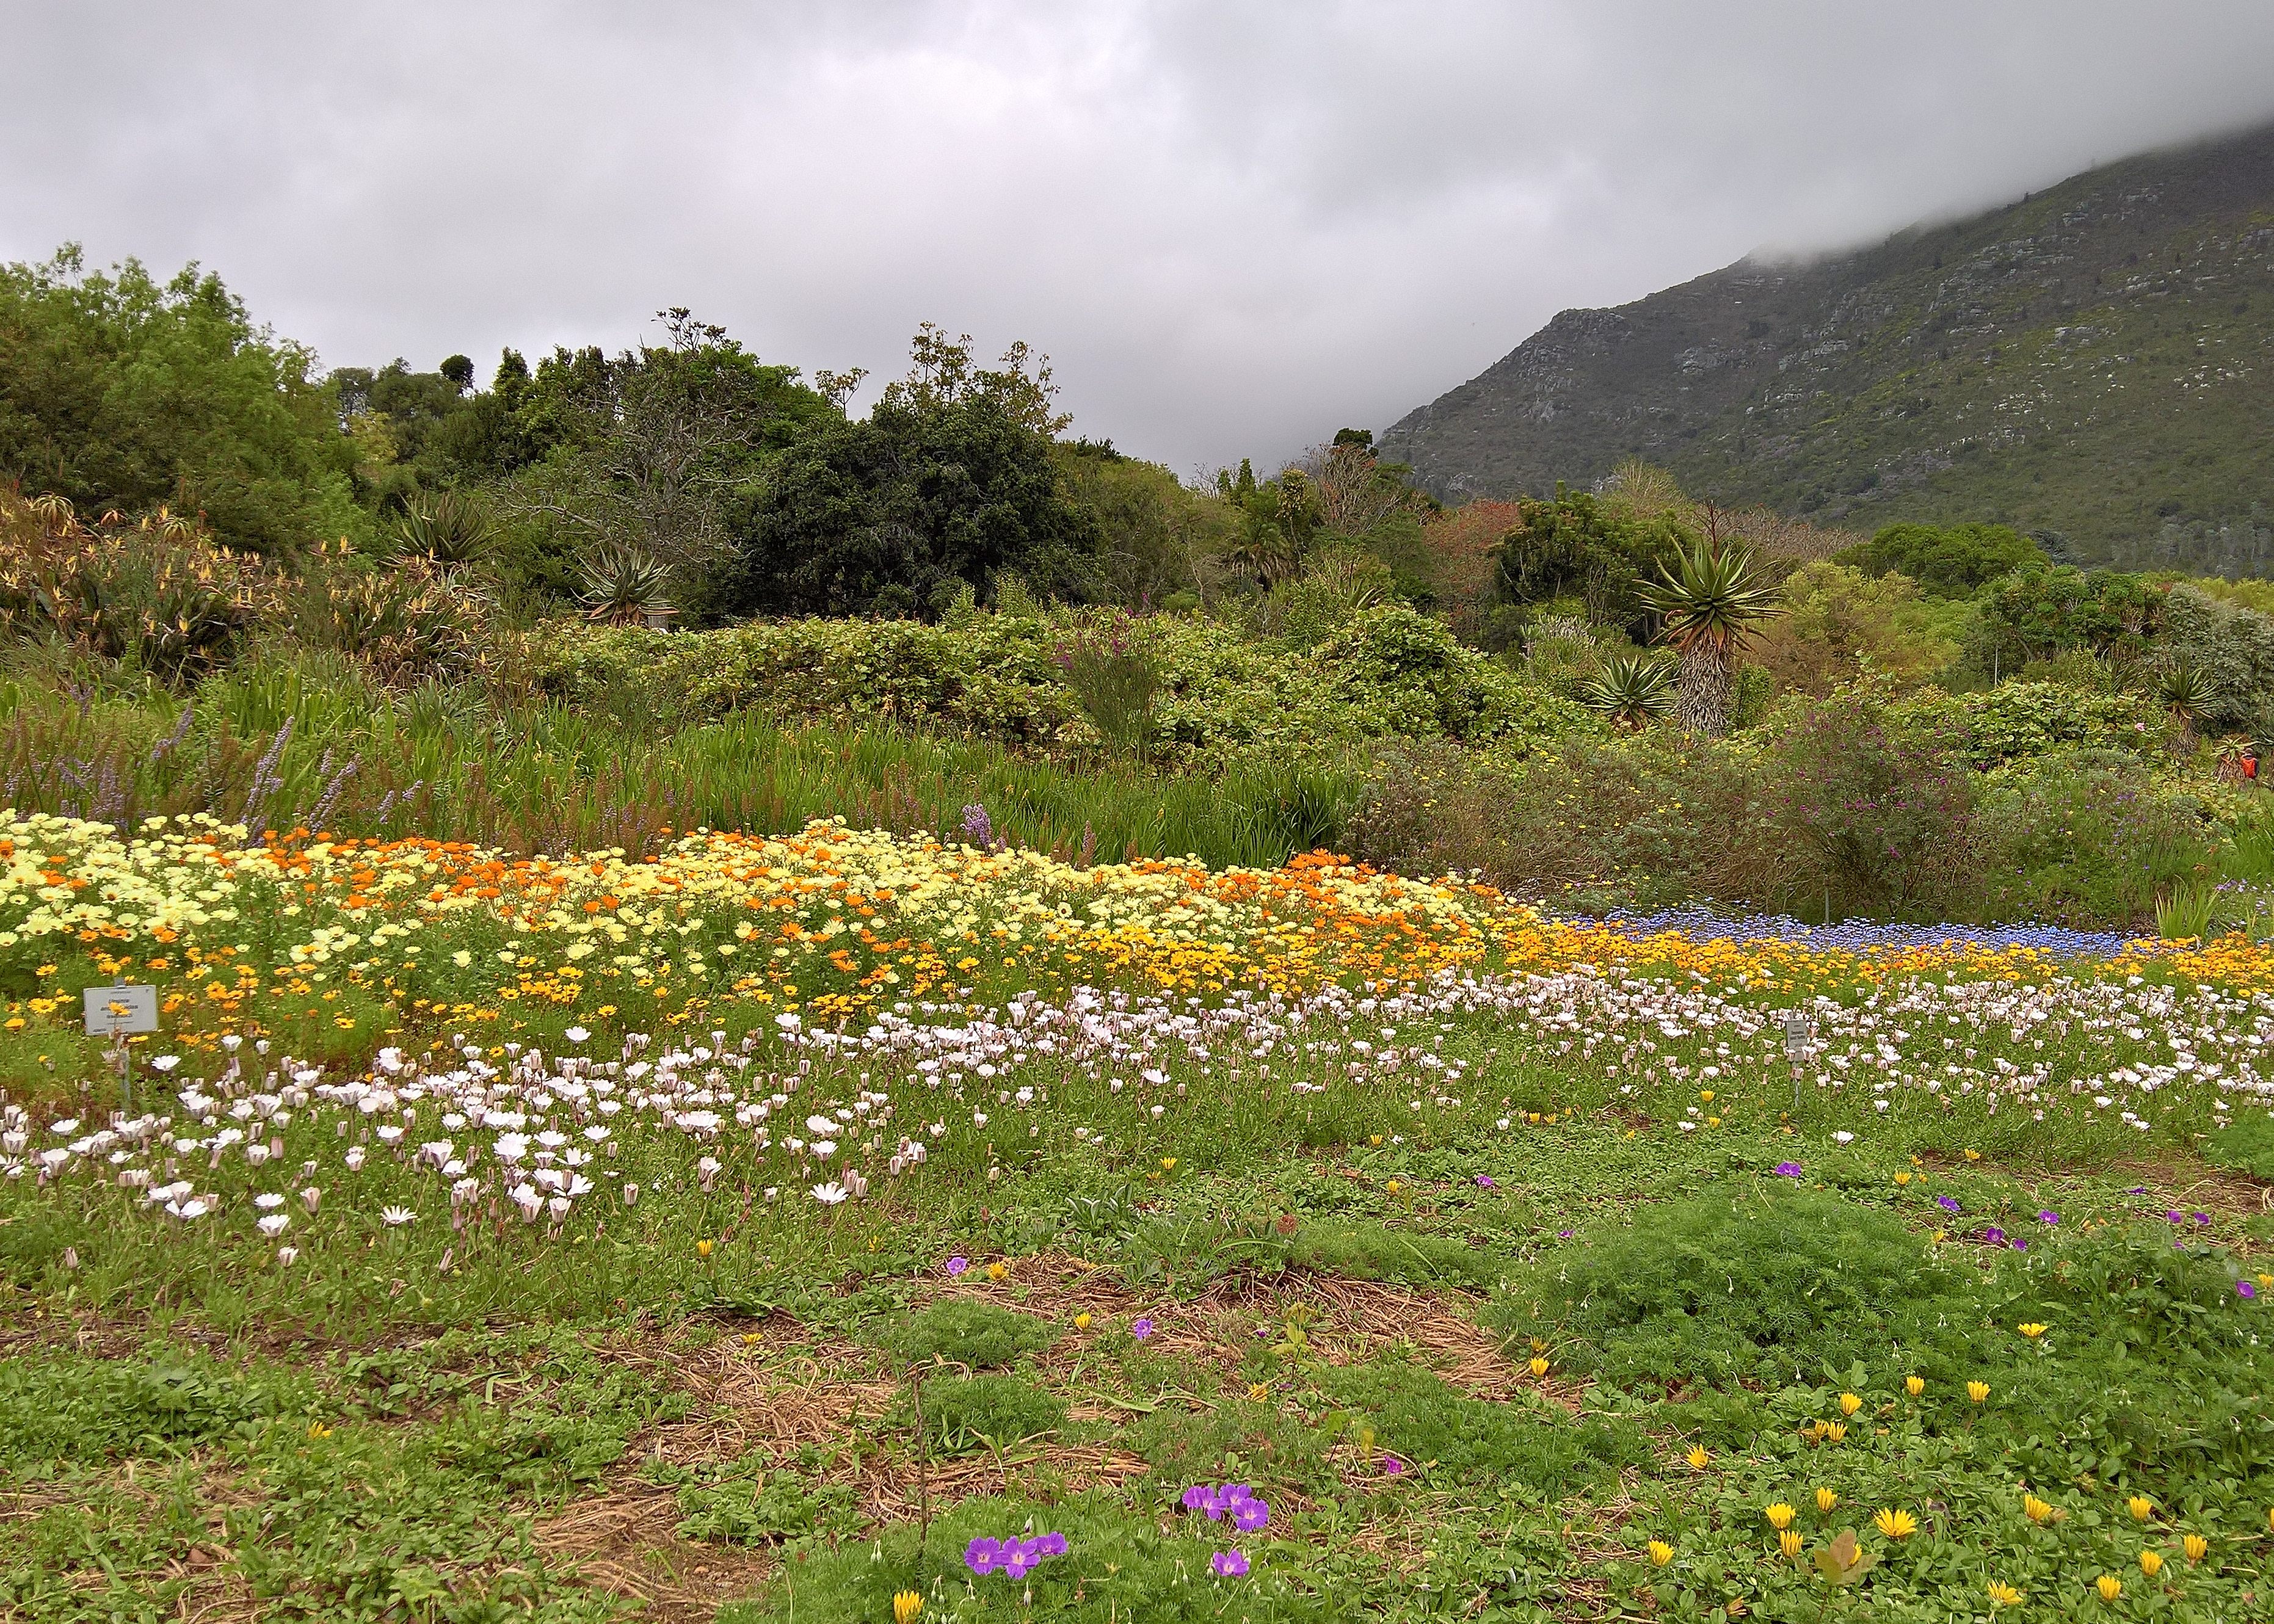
(2093, 363)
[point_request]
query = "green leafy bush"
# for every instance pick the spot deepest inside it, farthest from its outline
(970, 1412)
(1373, 1251)
(965, 1331)
(1773, 1286)
(1415, 1416)
(2018, 720)
(764, 1507)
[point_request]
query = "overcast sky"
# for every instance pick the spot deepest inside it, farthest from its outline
(1236, 226)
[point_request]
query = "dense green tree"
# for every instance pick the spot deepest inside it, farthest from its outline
(1155, 533)
(653, 449)
(2039, 612)
(1952, 560)
(117, 390)
(1577, 547)
(893, 514)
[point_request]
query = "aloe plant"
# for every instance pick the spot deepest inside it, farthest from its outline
(1710, 604)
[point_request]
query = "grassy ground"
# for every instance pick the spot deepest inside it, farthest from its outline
(1510, 1265)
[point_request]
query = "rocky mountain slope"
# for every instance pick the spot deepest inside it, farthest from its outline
(2094, 364)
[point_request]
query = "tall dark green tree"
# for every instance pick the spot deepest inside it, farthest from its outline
(117, 390)
(888, 515)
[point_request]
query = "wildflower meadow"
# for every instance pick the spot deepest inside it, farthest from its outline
(858, 1226)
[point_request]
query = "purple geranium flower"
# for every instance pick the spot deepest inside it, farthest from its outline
(1228, 1565)
(983, 1556)
(1994, 1235)
(1141, 1329)
(1948, 1204)
(1787, 1170)
(1484, 1182)
(1252, 1513)
(2048, 1218)
(2244, 1288)
(1196, 1498)
(1053, 1543)
(956, 1265)
(1391, 1466)
(1019, 1560)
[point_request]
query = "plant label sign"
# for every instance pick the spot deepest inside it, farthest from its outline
(114, 1010)
(1796, 1035)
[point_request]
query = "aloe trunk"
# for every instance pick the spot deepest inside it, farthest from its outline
(1701, 702)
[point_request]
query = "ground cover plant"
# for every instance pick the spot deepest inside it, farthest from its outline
(848, 1226)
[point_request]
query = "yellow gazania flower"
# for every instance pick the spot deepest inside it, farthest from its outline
(1081, 1321)
(905, 1606)
(1902, 1178)
(703, 1248)
(1661, 1552)
(1895, 1523)
(2004, 1595)
(1835, 1432)
(2031, 1329)
(2196, 1546)
(1539, 1366)
(316, 1429)
(1978, 1391)
(1914, 1385)
(2151, 1562)
(1788, 1542)
(2140, 1507)
(1780, 1517)
(2036, 1509)
(1698, 1457)
(2109, 1586)
(1825, 1499)
(1849, 1403)
(1974, 1155)
(996, 1271)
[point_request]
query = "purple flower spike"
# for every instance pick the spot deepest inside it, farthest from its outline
(983, 1556)
(1228, 1565)
(1787, 1170)
(956, 1265)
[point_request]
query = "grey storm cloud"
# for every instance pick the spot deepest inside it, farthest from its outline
(1235, 227)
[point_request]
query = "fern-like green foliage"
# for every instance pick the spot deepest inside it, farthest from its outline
(1777, 1287)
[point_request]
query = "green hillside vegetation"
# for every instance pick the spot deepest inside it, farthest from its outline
(2090, 366)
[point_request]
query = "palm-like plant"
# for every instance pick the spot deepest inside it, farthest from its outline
(448, 529)
(1630, 689)
(1709, 605)
(2186, 694)
(624, 586)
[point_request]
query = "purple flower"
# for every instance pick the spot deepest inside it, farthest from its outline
(1565, 1234)
(2244, 1288)
(2048, 1218)
(956, 1265)
(983, 1556)
(1252, 1513)
(1196, 1498)
(2176, 1217)
(1484, 1182)
(1228, 1565)
(1948, 1204)
(1052, 1544)
(1391, 1466)
(2202, 1217)
(1141, 1329)
(978, 828)
(1787, 1170)
(1994, 1235)
(2021, 1245)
